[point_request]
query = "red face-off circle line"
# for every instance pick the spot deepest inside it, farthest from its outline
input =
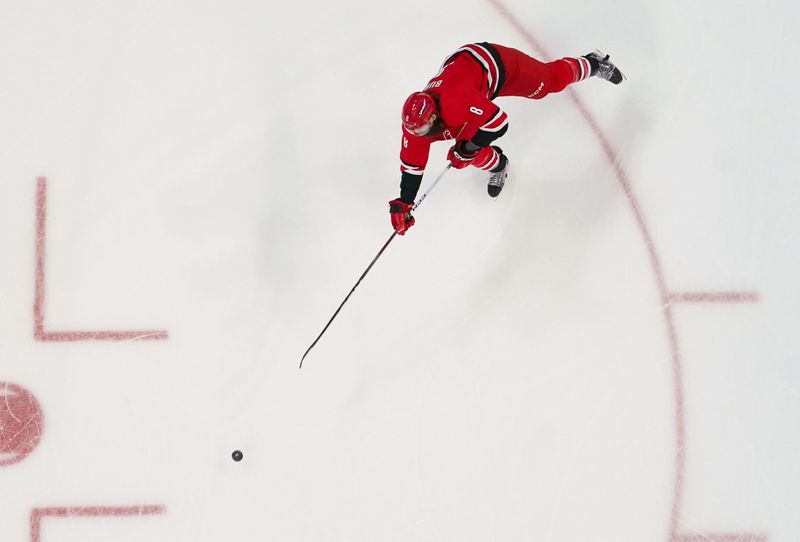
(667, 297)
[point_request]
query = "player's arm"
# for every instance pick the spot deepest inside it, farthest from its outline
(414, 152)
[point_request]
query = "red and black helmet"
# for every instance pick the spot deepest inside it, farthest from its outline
(419, 113)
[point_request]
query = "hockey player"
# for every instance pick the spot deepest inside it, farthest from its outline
(457, 105)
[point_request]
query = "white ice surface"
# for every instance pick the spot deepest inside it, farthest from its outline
(221, 171)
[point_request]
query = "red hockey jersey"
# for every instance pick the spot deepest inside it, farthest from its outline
(463, 89)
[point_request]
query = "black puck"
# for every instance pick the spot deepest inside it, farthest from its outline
(237, 455)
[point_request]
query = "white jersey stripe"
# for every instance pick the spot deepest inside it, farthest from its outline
(411, 170)
(496, 123)
(586, 69)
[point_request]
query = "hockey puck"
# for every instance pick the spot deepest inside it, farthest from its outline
(237, 455)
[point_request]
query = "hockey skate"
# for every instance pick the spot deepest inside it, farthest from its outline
(606, 69)
(497, 180)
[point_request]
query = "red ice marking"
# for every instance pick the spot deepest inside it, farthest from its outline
(714, 297)
(21, 423)
(721, 537)
(39, 332)
(661, 283)
(37, 514)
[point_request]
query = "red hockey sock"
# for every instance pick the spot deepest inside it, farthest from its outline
(569, 70)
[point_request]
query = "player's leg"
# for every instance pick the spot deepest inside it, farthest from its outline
(532, 78)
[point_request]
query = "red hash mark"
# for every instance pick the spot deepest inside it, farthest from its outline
(39, 332)
(714, 297)
(38, 514)
(721, 537)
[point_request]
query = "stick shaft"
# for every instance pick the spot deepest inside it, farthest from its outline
(375, 259)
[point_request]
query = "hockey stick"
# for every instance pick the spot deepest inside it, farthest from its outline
(375, 259)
